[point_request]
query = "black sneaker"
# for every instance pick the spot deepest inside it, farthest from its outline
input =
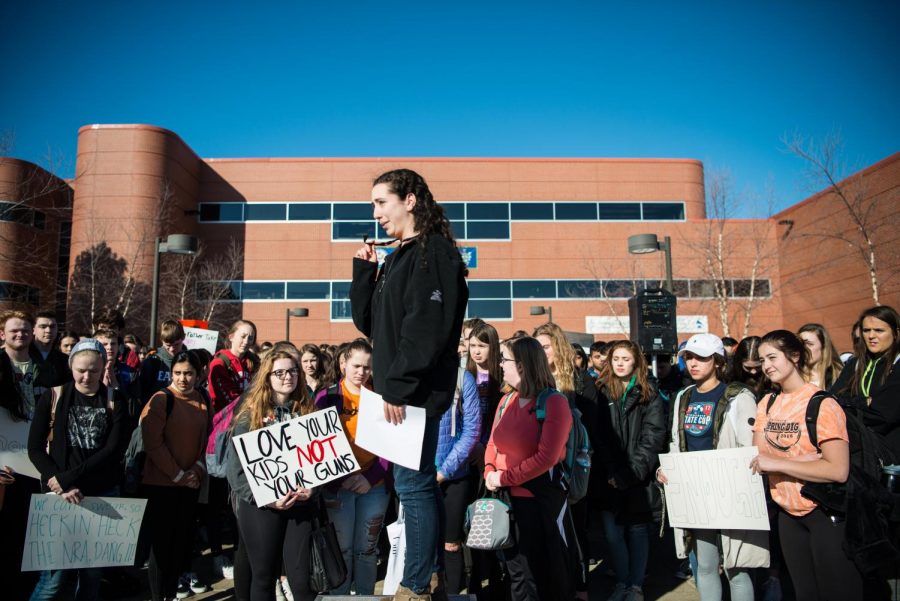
(184, 588)
(196, 585)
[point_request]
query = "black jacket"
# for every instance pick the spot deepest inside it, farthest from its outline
(413, 309)
(882, 415)
(629, 452)
(52, 371)
(101, 471)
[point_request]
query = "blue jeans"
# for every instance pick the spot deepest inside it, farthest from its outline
(629, 558)
(423, 506)
(58, 584)
(357, 521)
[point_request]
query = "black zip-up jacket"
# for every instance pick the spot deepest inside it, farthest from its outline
(413, 309)
(882, 415)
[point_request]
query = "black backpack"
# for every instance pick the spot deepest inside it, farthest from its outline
(870, 510)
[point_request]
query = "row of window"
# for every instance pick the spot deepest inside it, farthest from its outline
(470, 220)
(18, 213)
(20, 293)
(493, 298)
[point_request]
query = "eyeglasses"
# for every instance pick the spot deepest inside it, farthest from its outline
(283, 374)
(505, 359)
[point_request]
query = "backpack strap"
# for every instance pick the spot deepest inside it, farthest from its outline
(812, 416)
(170, 401)
(771, 401)
(56, 393)
(227, 361)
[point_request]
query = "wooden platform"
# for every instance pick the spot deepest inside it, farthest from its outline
(381, 598)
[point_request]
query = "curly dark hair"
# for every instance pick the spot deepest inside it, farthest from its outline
(428, 216)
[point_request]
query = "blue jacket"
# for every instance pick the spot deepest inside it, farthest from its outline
(452, 458)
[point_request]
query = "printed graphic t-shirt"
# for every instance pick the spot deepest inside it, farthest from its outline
(698, 419)
(87, 427)
(784, 430)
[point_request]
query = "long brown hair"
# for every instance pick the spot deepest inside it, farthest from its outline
(615, 388)
(830, 356)
(563, 356)
(259, 401)
(889, 316)
(487, 334)
(535, 372)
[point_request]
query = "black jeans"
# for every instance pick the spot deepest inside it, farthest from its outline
(270, 535)
(813, 553)
(169, 528)
(456, 501)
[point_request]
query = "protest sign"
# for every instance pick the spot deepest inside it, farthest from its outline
(14, 445)
(398, 443)
(714, 489)
(303, 452)
(205, 339)
(98, 532)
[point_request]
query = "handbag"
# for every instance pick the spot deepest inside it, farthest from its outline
(327, 569)
(489, 522)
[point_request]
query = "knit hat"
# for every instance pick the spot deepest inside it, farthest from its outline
(88, 344)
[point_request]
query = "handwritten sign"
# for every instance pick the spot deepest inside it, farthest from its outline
(304, 452)
(14, 445)
(98, 532)
(714, 489)
(198, 338)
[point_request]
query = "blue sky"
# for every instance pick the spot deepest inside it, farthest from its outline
(721, 82)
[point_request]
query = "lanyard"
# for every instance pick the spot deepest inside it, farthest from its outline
(869, 373)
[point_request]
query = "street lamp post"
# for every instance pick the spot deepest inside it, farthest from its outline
(541, 310)
(295, 312)
(641, 244)
(177, 244)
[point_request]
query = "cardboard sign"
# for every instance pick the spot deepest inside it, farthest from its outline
(714, 489)
(303, 452)
(14, 445)
(205, 339)
(98, 532)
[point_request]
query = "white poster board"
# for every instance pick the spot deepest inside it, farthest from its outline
(714, 489)
(14, 445)
(303, 452)
(98, 532)
(199, 338)
(398, 443)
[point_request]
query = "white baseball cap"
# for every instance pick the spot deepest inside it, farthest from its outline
(704, 345)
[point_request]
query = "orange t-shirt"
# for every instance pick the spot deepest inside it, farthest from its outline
(784, 429)
(348, 419)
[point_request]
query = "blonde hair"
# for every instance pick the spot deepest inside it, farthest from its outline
(830, 356)
(259, 401)
(563, 356)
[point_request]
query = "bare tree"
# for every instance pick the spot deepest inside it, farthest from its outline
(860, 207)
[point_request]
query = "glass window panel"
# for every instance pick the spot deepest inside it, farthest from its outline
(380, 233)
(579, 289)
(458, 228)
(582, 211)
(209, 212)
(620, 211)
(262, 290)
(454, 210)
(34, 296)
(484, 289)
(534, 289)
(352, 230)
(268, 211)
(222, 211)
(309, 212)
(681, 288)
(487, 210)
(490, 309)
(703, 289)
(39, 220)
(222, 290)
(663, 211)
(764, 289)
(340, 309)
(532, 211)
(340, 290)
(488, 230)
(311, 290)
(622, 288)
(741, 288)
(353, 210)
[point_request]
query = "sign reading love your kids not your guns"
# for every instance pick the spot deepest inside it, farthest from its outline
(303, 452)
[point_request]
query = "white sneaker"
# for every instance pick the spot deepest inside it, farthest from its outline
(618, 593)
(286, 588)
(224, 567)
(196, 585)
(279, 592)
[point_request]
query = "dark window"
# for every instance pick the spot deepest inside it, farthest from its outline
(380, 233)
(33, 295)
(532, 211)
(222, 211)
(663, 211)
(622, 288)
(352, 230)
(262, 290)
(19, 293)
(221, 290)
(340, 290)
(354, 210)
(40, 220)
(681, 288)
(741, 288)
(209, 212)
(487, 230)
(579, 289)
(15, 213)
(454, 210)
(703, 289)
(341, 310)
(534, 289)
(487, 210)
(458, 229)
(620, 211)
(490, 309)
(309, 212)
(268, 211)
(580, 211)
(308, 290)
(483, 289)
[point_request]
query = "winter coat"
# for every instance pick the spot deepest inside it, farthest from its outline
(629, 454)
(156, 373)
(413, 309)
(52, 370)
(459, 430)
(882, 415)
(732, 428)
